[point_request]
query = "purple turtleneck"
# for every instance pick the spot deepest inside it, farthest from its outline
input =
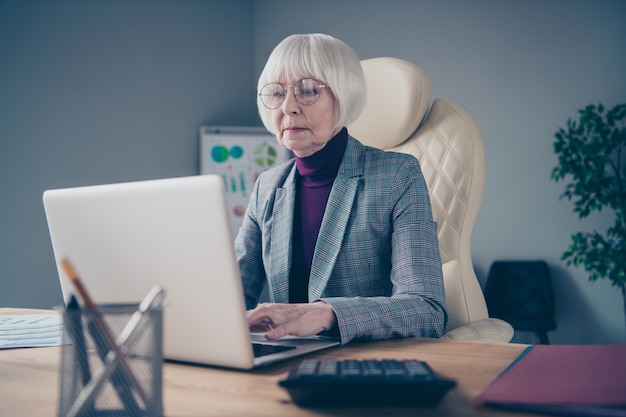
(314, 179)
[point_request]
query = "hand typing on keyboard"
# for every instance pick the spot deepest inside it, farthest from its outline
(302, 320)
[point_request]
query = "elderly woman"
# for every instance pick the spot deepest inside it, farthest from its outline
(342, 234)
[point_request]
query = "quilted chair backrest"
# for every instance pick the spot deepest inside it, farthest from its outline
(444, 137)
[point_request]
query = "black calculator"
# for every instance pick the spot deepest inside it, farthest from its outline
(367, 382)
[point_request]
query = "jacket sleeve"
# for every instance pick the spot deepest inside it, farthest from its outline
(249, 253)
(416, 305)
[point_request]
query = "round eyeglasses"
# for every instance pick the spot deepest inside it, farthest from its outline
(306, 91)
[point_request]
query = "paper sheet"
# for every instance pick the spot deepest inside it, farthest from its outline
(30, 330)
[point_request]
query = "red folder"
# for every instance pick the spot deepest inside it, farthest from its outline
(563, 380)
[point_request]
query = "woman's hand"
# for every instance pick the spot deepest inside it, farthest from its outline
(302, 320)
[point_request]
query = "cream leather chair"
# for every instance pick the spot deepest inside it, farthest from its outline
(444, 137)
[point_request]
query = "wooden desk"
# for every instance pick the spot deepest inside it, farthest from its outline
(29, 381)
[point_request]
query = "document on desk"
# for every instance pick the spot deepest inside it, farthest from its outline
(563, 380)
(31, 330)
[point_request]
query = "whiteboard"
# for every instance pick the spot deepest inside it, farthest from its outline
(238, 155)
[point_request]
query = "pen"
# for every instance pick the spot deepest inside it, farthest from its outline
(75, 326)
(103, 329)
(118, 380)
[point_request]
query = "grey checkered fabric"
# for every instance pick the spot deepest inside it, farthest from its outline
(376, 261)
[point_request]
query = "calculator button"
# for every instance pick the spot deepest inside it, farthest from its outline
(373, 369)
(418, 369)
(351, 369)
(306, 369)
(327, 368)
(394, 369)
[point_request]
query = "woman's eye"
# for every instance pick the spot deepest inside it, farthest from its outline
(308, 92)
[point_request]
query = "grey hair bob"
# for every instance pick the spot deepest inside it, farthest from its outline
(323, 58)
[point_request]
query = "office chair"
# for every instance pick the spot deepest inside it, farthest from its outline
(520, 292)
(444, 137)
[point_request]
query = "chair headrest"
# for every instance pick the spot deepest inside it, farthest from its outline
(398, 98)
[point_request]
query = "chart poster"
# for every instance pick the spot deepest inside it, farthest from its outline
(238, 155)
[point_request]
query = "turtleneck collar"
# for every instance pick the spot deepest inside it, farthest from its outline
(322, 167)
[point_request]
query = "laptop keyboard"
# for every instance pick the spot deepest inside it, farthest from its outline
(262, 349)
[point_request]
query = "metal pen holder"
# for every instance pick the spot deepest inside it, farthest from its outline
(105, 380)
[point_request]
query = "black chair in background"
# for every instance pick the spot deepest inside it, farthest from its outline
(520, 292)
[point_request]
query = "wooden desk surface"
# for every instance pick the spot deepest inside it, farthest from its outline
(29, 381)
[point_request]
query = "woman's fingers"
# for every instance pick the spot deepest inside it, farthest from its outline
(302, 320)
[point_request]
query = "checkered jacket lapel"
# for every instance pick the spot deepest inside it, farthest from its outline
(335, 220)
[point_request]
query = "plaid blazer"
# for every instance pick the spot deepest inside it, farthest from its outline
(376, 262)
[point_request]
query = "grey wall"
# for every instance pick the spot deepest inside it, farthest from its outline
(521, 68)
(105, 91)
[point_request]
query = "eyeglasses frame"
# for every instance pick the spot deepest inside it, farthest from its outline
(286, 89)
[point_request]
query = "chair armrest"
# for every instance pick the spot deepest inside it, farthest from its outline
(485, 330)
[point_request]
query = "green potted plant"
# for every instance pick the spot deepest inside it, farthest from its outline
(592, 160)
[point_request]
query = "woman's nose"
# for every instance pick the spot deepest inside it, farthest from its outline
(290, 104)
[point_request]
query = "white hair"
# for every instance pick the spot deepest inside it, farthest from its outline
(321, 57)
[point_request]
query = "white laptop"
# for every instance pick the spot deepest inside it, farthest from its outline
(123, 239)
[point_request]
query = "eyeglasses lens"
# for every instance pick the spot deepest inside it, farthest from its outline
(306, 91)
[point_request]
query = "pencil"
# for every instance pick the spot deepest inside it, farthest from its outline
(118, 379)
(103, 328)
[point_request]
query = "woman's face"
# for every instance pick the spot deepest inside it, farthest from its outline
(304, 129)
